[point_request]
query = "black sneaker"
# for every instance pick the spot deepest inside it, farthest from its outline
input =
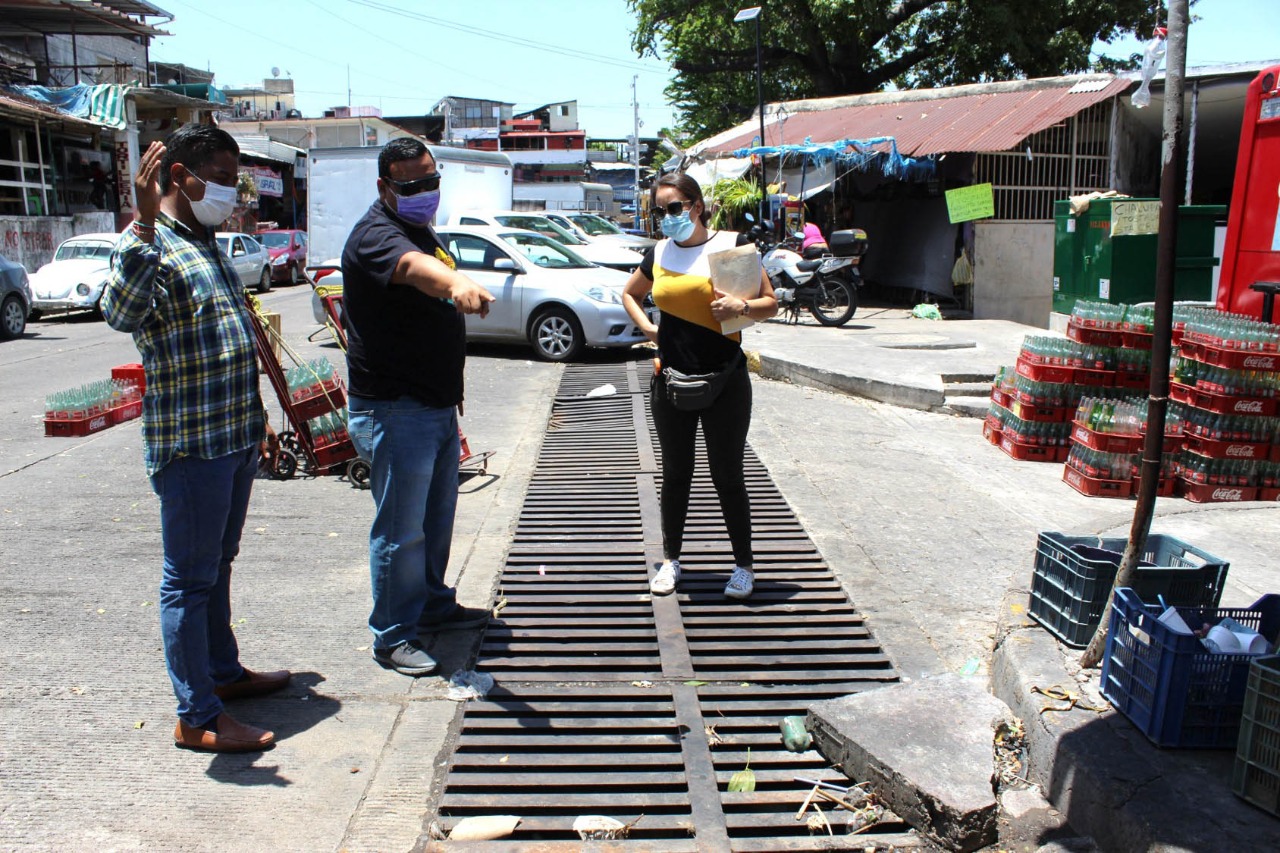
(408, 658)
(458, 619)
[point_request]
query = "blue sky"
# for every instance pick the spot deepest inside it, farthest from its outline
(404, 55)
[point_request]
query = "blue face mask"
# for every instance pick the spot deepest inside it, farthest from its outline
(678, 228)
(419, 208)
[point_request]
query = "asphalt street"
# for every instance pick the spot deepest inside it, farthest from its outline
(924, 523)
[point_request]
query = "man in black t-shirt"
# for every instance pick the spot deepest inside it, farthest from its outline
(403, 303)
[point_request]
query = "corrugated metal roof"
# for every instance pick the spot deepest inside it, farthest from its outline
(981, 117)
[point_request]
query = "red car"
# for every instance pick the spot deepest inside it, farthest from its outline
(288, 250)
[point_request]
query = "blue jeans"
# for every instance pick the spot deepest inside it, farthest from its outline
(413, 452)
(203, 504)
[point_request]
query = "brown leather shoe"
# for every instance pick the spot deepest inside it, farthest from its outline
(231, 736)
(252, 684)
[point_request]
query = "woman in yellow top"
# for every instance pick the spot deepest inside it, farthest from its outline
(689, 339)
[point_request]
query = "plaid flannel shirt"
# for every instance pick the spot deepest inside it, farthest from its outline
(182, 301)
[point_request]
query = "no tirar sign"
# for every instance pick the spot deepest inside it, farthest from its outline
(966, 203)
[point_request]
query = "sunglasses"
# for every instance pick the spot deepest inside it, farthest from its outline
(673, 208)
(430, 183)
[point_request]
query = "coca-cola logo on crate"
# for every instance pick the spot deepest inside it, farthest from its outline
(1249, 406)
(1244, 451)
(1259, 362)
(1228, 494)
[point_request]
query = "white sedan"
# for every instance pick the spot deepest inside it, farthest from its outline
(74, 279)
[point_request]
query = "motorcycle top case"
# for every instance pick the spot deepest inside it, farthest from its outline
(850, 243)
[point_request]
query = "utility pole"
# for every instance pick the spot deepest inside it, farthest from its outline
(1175, 70)
(635, 146)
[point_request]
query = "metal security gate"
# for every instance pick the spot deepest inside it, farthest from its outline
(612, 702)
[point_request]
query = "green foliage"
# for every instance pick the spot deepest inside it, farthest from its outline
(823, 48)
(731, 198)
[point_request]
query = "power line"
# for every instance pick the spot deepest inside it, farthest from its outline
(574, 53)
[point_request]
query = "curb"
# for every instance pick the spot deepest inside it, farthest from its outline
(907, 396)
(1100, 771)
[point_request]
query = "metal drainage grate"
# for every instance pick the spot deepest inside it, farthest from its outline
(610, 701)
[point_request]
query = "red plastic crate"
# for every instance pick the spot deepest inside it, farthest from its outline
(991, 430)
(77, 426)
(315, 402)
(1092, 377)
(1167, 487)
(335, 453)
(131, 373)
(1107, 442)
(1214, 449)
(1222, 404)
(1030, 452)
(126, 412)
(1041, 414)
(1233, 359)
(1096, 337)
(1000, 398)
(1205, 493)
(1132, 379)
(1268, 494)
(1094, 487)
(1136, 340)
(1044, 372)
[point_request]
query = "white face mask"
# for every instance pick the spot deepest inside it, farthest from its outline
(219, 202)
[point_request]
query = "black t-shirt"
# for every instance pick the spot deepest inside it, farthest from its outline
(400, 341)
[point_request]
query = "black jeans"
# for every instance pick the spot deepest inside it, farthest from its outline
(724, 431)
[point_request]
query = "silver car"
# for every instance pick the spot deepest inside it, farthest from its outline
(250, 258)
(547, 295)
(15, 299)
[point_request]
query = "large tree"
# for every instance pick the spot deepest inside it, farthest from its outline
(820, 48)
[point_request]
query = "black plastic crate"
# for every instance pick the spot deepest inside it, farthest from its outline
(1169, 685)
(1073, 577)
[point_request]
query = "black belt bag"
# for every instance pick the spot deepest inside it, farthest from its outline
(690, 392)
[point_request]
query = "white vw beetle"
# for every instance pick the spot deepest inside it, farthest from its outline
(74, 279)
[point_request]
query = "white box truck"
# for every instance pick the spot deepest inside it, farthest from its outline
(343, 182)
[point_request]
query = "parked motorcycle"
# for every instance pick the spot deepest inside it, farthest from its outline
(827, 287)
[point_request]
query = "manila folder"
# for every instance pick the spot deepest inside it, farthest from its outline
(736, 272)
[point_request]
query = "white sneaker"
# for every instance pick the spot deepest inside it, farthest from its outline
(740, 584)
(664, 582)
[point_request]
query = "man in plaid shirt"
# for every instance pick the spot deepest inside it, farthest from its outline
(203, 423)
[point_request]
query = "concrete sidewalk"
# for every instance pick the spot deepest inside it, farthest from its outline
(885, 354)
(1094, 766)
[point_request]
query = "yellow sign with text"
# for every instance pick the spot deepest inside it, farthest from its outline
(966, 203)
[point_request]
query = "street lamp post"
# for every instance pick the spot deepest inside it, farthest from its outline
(753, 14)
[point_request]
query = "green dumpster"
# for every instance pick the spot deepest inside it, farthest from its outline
(1108, 252)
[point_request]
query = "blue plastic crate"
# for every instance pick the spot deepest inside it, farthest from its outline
(1167, 683)
(1073, 577)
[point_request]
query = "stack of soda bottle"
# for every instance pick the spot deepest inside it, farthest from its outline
(91, 407)
(1228, 373)
(1107, 443)
(306, 380)
(329, 428)
(90, 400)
